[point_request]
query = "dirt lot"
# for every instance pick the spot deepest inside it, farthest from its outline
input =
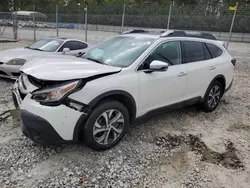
(177, 149)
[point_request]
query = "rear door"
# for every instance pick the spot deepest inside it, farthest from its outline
(201, 67)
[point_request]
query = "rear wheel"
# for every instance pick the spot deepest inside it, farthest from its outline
(213, 96)
(106, 125)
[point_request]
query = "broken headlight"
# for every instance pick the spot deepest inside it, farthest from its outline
(55, 93)
(16, 61)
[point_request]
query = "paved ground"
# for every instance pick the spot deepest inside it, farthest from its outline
(179, 149)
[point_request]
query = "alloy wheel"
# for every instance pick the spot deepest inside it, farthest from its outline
(214, 96)
(108, 127)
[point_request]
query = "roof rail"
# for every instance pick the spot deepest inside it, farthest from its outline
(175, 33)
(195, 34)
(143, 31)
(55, 37)
(134, 31)
(167, 33)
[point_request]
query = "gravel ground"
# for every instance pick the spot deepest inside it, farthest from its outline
(177, 149)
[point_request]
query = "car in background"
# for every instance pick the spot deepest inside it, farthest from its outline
(95, 98)
(13, 59)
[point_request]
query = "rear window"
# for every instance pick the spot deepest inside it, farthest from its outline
(214, 50)
(193, 51)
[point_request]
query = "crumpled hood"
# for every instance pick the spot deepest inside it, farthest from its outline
(24, 53)
(59, 69)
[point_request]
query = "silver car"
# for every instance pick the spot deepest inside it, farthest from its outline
(12, 60)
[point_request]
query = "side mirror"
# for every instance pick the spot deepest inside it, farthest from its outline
(65, 50)
(158, 66)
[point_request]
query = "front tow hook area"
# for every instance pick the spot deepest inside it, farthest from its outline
(14, 113)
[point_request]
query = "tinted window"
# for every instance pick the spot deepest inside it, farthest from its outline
(82, 45)
(207, 53)
(214, 50)
(193, 51)
(169, 52)
(72, 45)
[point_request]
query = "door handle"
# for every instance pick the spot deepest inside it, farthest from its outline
(212, 68)
(182, 74)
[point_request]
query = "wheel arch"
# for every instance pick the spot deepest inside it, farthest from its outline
(221, 78)
(122, 96)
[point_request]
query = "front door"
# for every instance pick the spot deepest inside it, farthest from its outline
(159, 89)
(73, 46)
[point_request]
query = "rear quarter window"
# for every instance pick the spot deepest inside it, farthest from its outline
(207, 53)
(214, 50)
(82, 45)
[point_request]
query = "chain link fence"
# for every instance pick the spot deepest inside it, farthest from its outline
(214, 18)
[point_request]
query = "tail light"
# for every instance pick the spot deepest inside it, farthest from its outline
(233, 61)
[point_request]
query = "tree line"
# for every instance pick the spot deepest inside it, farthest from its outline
(206, 15)
(115, 6)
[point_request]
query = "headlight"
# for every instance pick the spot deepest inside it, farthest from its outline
(16, 62)
(55, 93)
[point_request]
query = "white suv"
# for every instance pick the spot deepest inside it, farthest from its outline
(95, 98)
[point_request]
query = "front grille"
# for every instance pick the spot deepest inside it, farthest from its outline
(3, 73)
(16, 74)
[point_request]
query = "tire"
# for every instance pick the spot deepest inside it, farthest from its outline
(212, 97)
(101, 123)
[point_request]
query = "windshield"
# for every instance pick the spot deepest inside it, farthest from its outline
(120, 51)
(47, 45)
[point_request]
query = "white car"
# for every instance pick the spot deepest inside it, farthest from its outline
(12, 60)
(119, 80)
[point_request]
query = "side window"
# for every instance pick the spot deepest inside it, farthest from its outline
(82, 45)
(207, 53)
(214, 50)
(193, 51)
(169, 52)
(72, 45)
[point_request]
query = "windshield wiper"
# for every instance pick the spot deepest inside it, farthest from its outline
(95, 60)
(33, 48)
(36, 49)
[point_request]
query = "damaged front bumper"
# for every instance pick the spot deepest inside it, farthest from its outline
(45, 124)
(38, 129)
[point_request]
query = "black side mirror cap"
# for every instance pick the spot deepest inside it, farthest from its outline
(233, 61)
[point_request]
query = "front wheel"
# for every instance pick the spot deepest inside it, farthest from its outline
(106, 125)
(213, 96)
